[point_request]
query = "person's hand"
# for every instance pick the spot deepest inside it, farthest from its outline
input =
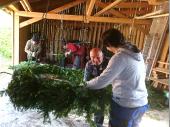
(67, 53)
(84, 84)
(33, 54)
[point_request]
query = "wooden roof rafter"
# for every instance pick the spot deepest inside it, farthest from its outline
(28, 5)
(139, 4)
(159, 13)
(8, 10)
(67, 6)
(23, 5)
(108, 7)
(90, 5)
(157, 2)
(5, 3)
(111, 11)
(12, 7)
(157, 16)
(138, 12)
(81, 18)
(56, 10)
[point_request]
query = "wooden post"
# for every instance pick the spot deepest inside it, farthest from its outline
(138, 38)
(98, 35)
(94, 35)
(15, 56)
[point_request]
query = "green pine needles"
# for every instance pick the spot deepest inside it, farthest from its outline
(50, 88)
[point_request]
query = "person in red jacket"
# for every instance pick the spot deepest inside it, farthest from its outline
(77, 53)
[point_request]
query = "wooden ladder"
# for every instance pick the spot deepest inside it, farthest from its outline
(160, 76)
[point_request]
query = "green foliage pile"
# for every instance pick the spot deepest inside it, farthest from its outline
(49, 88)
(156, 98)
(5, 42)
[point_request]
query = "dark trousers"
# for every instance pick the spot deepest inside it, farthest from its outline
(99, 118)
(99, 115)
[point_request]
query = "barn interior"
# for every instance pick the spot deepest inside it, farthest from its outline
(143, 23)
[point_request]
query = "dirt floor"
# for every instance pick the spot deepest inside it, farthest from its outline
(30, 118)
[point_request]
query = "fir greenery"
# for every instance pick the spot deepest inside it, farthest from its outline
(50, 88)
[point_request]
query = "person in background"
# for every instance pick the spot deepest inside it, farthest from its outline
(33, 48)
(126, 72)
(77, 53)
(94, 67)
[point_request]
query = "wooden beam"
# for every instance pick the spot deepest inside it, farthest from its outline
(15, 39)
(108, 7)
(59, 9)
(162, 62)
(81, 18)
(12, 7)
(118, 20)
(67, 6)
(157, 16)
(149, 14)
(111, 11)
(129, 12)
(165, 49)
(8, 10)
(50, 16)
(4, 3)
(87, 5)
(157, 2)
(23, 5)
(130, 5)
(28, 5)
(140, 4)
(90, 7)
(28, 22)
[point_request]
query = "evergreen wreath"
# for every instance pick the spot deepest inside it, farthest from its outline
(53, 89)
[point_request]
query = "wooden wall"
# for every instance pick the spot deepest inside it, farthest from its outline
(56, 31)
(160, 71)
(23, 38)
(164, 52)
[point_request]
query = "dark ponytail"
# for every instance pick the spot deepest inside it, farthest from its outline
(114, 38)
(130, 47)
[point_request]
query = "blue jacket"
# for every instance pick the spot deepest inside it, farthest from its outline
(92, 71)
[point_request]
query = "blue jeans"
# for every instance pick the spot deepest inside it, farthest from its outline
(76, 63)
(126, 117)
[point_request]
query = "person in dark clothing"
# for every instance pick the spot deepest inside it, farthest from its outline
(94, 67)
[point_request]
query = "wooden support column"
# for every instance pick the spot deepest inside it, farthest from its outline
(15, 39)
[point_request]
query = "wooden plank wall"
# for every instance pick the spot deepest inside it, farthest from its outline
(23, 38)
(164, 54)
(160, 72)
(56, 31)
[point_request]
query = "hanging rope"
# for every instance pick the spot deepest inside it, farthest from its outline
(62, 28)
(44, 21)
(133, 21)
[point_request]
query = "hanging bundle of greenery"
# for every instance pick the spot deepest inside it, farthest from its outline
(49, 88)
